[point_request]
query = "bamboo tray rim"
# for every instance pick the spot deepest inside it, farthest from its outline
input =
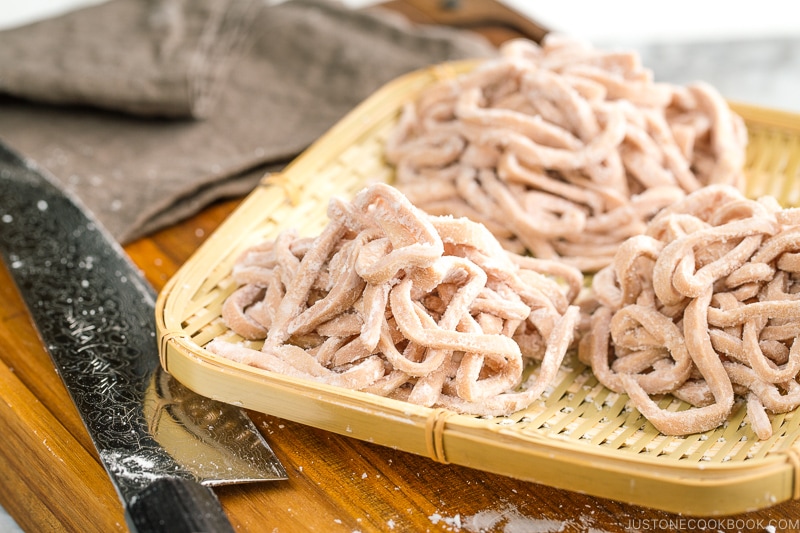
(437, 433)
(245, 372)
(767, 117)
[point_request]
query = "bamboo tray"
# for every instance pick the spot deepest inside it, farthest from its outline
(580, 436)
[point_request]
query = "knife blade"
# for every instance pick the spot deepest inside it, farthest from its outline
(162, 445)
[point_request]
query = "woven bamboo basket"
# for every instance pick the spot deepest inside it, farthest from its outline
(580, 436)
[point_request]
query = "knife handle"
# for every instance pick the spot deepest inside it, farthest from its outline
(176, 505)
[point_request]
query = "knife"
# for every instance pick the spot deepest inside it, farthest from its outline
(162, 445)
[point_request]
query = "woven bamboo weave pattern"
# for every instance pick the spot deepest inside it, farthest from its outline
(578, 422)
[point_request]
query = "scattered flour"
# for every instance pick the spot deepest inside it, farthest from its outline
(508, 520)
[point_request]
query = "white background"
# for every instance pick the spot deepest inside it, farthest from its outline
(597, 20)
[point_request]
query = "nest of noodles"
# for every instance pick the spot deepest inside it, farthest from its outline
(393, 301)
(562, 149)
(704, 305)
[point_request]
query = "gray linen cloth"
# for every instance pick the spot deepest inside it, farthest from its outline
(149, 110)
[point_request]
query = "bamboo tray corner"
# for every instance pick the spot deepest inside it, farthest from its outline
(580, 436)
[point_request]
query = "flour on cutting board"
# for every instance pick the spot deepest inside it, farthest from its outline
(508, 520)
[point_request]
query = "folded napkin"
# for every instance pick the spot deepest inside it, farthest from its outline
(149, 110)
(160, 57)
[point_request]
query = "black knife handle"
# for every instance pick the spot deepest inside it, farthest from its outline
(177, 505)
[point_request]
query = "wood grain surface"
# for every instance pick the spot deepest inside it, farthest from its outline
(51, 480)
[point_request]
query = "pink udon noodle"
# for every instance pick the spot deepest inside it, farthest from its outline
(562, 149)
(704, 305)
(399, 303)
